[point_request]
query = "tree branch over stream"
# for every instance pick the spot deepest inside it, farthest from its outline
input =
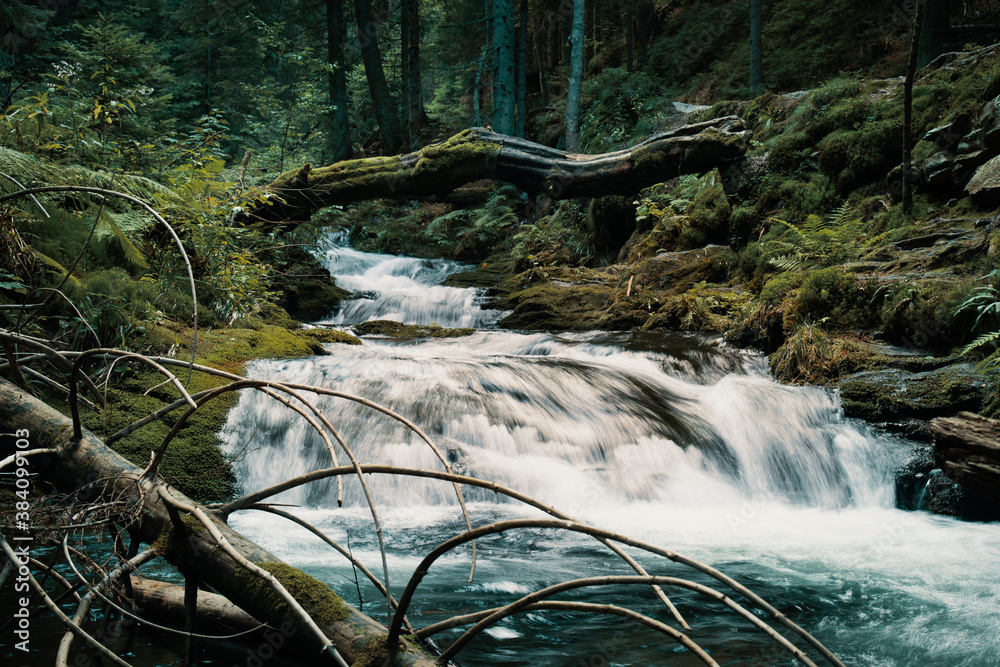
(478, 153)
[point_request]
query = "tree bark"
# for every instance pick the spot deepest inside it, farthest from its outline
(503, 67)
(385, 112)
(87, 466)
(756, 50)
(478, 153)
(967, 449)
(911, 69)
(522, 70)
(338, 144)
(575, 78)
(413, 111)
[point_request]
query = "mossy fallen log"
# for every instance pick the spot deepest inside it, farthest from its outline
(478, 153)
(87, 467)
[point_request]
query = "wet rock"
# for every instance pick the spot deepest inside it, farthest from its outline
(893, 396)
(911, 478)
(941, 495)
(394, 329)
(967, 448)
(984, 186)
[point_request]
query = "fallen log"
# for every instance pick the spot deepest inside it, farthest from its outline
(478, 153)
(87, 467)
(967, 449)
(164, 602)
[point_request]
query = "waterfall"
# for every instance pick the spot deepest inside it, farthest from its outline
(672, 439)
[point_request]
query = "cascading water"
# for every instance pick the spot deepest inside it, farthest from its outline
(670, 439)
(405, 289)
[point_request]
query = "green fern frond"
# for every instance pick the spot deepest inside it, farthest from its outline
(786, 262)
(132, 254)
(990, 338)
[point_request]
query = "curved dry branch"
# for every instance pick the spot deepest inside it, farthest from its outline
(243, 384)
(289, 599)
(57, 359)
(563, 605)
(83, 609)
(55, 609)
(31, 452)
(501, 526)
(75, 408)
(257, 496)
(340, 549)
(518, 605)
(156, 216)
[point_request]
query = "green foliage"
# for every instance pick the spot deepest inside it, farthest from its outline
(476, 233)
(984, 302)
(559, 238)
(619, 99)
(835, 296)
(816, 242)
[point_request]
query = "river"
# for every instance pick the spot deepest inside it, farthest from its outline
(673, 439)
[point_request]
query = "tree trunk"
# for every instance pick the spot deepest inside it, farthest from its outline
(385, 112)
(934, 31)
(522, 70)
(413, 111)
(967, 449)
(503, 66)
(643, 32)
(911, 69)
(87, 466)
(478, 154)
(628, 36)
(575, 78)
(338, 142)
(756, 50)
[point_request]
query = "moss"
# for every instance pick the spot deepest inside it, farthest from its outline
(375, 652)
(459, 153)
(394, 329)
(194, 462)
(331, 336)
(702, 308)
(708, 220)
(893, 395)
(325, 606)
(778, 287)
(832, 293)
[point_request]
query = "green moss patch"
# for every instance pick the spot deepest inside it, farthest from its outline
(394, 329)
(325, 606)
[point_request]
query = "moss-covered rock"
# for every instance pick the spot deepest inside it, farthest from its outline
(394, 329)
(896, 395)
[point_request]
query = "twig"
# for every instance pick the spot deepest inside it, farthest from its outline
(31, 452)
(340, 549)
(563, 605)
(263, 494)
(518, 605)
(75, 409)
(501, 526)
(54, 608)
(83, 609)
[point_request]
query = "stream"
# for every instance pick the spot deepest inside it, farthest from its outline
(669, 438)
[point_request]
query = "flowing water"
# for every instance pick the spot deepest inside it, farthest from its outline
(671, 439)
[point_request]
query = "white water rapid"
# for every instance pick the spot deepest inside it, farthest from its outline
(671, 439)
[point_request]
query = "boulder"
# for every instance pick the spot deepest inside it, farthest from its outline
(895, 396)
(967, 449)
(984, 186)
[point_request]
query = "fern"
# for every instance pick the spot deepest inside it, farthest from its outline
(111, 225)
(991, 338)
